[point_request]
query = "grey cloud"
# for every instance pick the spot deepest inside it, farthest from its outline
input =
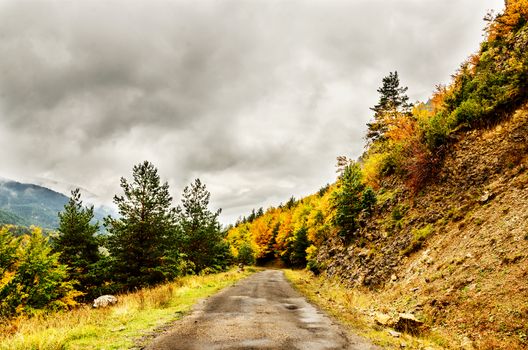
(255, 97)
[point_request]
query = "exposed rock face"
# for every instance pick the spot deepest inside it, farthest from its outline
(408, 323)
(104, 301)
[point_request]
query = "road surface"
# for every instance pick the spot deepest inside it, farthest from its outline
(260, 312)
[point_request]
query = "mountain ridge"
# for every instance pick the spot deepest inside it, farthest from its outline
(26, 204)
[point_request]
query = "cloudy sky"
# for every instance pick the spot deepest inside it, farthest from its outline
(255, 97)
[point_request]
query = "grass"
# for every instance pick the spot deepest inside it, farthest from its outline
(355, 309)
(119, 327)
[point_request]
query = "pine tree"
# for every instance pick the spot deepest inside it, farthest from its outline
(299, 246)
(77, 242)
(204, 243)
(143, 241)
(393, 102)
(348, 199)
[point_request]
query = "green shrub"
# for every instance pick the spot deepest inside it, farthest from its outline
(246, 255)
(418, 239)
(435, 131)
(468, 112)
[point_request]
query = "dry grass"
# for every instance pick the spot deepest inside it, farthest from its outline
(355, 308)
(116, 327)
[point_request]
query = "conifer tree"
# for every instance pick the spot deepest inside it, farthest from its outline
(77, 242)
(143, 242)
(348, 199)
(393, 102)
(299, 246)
(203, 239)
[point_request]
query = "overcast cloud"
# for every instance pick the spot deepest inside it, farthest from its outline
(256, 98)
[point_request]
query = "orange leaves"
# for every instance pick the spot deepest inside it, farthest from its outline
(514, 15)
(401, 129)
(274, 231)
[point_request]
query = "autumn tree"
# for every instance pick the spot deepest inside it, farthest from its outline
(393, 103)
(77, 242)
(143, 241)
(202, 237)
(33, 280)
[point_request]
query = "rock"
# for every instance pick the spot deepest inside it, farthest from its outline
(408, 323)
(383, 319)
(394, 334)
(467, 344)
(486, 196)
(394, 277)
(104, 301)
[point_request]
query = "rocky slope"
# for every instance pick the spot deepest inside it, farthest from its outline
(455, 254)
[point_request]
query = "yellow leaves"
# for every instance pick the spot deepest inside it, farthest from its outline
(311, 252)
(6, 278)
(401, 129)
(274, 232)
(372, 168)
(515, 13)
(69, 299)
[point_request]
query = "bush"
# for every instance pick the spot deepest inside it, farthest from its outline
(368, 200)
(246, 255)
(36, 280)
(418, 239)
(435, 131)
(467, 113)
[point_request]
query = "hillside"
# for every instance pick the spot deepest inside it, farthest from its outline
(7, 218)
(28, 204)
(457, 257)
(433, 217)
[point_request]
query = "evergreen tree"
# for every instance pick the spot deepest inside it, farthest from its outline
(299, 246)
(143, 241)
(77, 243)
(203, 239)
(393, 102)
(348, 199)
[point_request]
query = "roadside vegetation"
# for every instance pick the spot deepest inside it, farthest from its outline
(133, 321)
(357, 309)
(150, 243)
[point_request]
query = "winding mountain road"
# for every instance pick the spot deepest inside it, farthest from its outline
(262, 311)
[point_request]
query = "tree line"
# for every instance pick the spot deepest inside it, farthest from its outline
(150, 242)
(405, 144)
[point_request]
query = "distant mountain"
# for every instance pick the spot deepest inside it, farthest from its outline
(7, 218)
(30, 204)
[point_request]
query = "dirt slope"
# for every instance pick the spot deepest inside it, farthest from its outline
(455, 254)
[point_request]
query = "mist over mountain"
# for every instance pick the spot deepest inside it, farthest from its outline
(29, 204)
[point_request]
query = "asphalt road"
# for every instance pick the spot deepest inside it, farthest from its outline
(262, 311)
